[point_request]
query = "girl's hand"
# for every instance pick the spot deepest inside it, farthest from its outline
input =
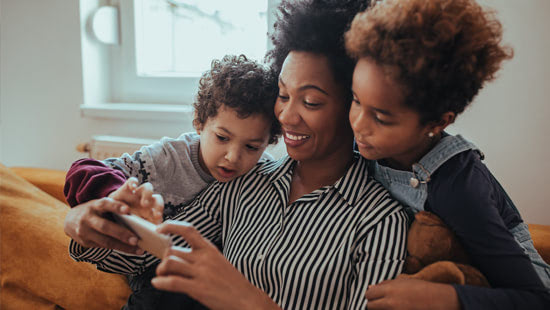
(141, 200)
(203, 273)
(88, 225)
(411, 294)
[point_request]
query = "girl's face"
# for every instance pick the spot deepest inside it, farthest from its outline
(311, 108)
(383, 126)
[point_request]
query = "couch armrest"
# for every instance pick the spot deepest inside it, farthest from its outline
(541, 239)
(49, 180)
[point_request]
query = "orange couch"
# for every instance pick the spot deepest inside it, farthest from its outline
(37, 272)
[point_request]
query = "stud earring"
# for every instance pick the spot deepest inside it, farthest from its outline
(430, 134)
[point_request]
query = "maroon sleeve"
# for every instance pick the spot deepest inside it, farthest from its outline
(89, 179)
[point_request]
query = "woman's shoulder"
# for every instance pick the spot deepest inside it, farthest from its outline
(371, 195)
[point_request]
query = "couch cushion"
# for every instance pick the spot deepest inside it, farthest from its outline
(36, 271)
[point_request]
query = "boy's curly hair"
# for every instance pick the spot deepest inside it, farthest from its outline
(240, 84)
(440, 51)
(318, 27)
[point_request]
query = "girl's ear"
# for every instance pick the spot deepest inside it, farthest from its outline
(446, 119)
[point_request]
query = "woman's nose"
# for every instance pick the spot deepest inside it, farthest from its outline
(287, 113)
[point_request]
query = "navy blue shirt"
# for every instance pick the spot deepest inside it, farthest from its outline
(466, 196)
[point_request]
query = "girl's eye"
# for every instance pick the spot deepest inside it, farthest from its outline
(252, 148)
(354, 100)
(379, 121)
(222, 138)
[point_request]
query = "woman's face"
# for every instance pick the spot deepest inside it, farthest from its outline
(311, 108)
(383, 126)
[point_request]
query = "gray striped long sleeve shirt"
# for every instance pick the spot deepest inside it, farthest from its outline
(320, 252)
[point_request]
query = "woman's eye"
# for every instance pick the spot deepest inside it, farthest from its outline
(282, 97)
(354, 100)
(311, 104)
(221, 138)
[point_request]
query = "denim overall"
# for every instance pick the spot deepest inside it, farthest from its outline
(411, 189)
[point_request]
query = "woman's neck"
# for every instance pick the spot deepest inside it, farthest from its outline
(406, 161)
(309, 175)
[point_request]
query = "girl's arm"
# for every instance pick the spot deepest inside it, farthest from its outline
(469, 204)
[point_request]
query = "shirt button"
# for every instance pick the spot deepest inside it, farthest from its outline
(260, 256)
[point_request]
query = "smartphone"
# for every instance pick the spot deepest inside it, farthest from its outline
(149, 239)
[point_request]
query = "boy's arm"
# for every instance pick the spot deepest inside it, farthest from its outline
(89, 179)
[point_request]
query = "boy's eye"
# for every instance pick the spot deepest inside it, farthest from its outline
(252, 148)
(221, 138)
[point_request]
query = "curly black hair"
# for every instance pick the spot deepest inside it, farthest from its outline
(317, 27)
(440, 51)
(241, 84)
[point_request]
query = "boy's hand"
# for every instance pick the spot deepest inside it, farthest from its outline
(141, 200)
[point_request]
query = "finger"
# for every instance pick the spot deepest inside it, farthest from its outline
(158, 208)
(127, 191)
(132, 183)
(145, 191)
(173, 284)
(186, 231)
(374, 292)
(181, 252)
(111, 229)
(378, 304)
(108, 204)
(173, 265)
(107, 242)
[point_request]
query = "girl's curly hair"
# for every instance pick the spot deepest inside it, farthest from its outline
(318, 27)
(440, 51)
(241, 84)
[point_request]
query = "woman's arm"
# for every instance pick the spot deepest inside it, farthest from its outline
(203, 273)
(380, 255)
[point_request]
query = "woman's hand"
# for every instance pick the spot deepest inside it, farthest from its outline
(140, 199)
(88, 225)
(203, 273)
(411, 294)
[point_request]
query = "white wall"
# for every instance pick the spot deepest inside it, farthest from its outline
(41, 90)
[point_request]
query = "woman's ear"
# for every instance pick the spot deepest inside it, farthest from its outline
(446, 119)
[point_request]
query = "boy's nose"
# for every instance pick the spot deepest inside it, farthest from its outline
(232, 156)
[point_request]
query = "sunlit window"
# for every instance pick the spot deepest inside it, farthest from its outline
(181, 37)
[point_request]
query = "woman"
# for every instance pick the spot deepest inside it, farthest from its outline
(310, 231)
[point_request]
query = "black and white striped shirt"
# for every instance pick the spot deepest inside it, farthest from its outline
(320, 252)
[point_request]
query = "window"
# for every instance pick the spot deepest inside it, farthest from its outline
(167, 44)
(180, 38)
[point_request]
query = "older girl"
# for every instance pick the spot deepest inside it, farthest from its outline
(420, 63)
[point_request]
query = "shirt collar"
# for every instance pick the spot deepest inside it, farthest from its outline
(351, 186)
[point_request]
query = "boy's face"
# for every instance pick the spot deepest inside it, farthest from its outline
(230, 146)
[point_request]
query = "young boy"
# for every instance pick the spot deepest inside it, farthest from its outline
(234, 121)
